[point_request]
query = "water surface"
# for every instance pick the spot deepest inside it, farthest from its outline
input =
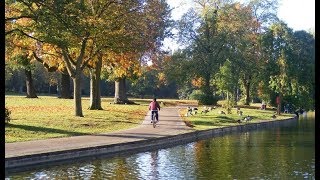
(286, 152)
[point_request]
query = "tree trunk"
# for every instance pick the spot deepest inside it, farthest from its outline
(31, 92)
(246, 82)
(95, 95)
(279, 104)
(206, 87)
(235, 94)
(65, 86)
(75, 73)
(120, 96)
(227, 96)
(247, 87)
(77, 94)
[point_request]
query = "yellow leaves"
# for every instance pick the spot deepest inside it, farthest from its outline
(61, 67)
(237, 6)
(260, 89)
(47, 47)
(161, 78)
(25, 22)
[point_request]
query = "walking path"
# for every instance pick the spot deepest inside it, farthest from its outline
(169, 124)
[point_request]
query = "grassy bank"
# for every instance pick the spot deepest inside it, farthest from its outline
(213, 118)
(50, 117)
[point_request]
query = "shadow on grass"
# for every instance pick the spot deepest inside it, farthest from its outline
(45, 130)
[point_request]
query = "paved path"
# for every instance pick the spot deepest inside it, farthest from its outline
(170, 124)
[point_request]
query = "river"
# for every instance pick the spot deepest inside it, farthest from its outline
(285, 152)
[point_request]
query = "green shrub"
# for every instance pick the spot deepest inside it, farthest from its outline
(203, 99)
(7, 115)
(195, 95)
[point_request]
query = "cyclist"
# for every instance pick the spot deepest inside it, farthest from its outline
(154, 107)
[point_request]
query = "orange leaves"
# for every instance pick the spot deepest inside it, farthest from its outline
(123, 64)
(49, 53)
(198, 82)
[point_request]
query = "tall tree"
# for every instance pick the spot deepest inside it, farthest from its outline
(49, 56)
(303, 69)
(146, 29)
(18, 52)
(62, 24)
(80, 30)
(227, 78)
(24, 61)
(205, 42)
(278, 44)
(121, 67)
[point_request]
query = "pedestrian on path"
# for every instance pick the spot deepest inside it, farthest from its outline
(154, 107)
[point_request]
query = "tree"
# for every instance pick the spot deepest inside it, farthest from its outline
(278, 43)
(60, 24)
(24, 61)
(18, 52)
(178, 70)
(227, 79)
(304, 69)
(122, 66)
(49, 56)
(80, 30)
(205, 44)
(146, 30)
(220, 30)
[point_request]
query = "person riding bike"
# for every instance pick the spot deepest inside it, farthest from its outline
(153, 107)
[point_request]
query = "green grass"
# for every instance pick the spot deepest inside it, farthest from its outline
(51, 117)
(213, 119)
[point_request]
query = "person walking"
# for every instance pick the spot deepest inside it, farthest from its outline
(154, 107)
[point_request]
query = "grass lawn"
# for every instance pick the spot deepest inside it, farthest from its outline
(213, 119)
(50, 117)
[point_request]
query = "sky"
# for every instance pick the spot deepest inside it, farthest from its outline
(298, 14)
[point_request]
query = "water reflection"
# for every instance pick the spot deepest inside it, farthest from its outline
(285, 152)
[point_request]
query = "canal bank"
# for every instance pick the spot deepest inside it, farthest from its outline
(170, 131)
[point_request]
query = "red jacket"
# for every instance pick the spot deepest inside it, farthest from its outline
(154, 105)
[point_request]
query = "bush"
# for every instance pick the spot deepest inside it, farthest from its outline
(7, 115)
(203, 99)
(228, 104)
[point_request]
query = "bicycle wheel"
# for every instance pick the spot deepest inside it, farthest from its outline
(154, 123)
(153, 120)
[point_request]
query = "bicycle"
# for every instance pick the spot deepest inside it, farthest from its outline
(154, 116)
